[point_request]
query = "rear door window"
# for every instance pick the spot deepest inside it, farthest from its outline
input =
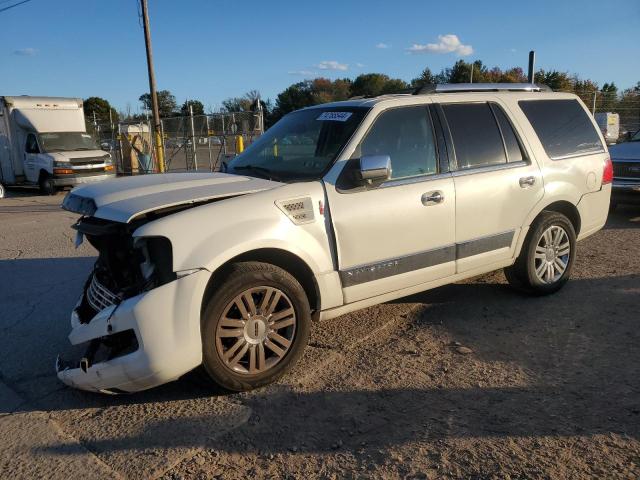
(515, 152)
(563, 127)
(476, 137)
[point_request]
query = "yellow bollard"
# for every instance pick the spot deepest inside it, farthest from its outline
(239, 144)
(160, 152)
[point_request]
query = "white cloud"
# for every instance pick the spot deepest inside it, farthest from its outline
(304, 73)
(25, 52)
(446, 44)
(383, 45)
(359, 65)
(332, 65)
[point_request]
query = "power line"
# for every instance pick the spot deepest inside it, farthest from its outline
(14, 5)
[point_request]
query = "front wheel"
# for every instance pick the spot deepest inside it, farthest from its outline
(255, 326)
(47, 186)
(546, 259)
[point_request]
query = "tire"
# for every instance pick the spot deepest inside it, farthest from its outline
(243, 350)
(613, 206)
(550, 244)
(47, 187)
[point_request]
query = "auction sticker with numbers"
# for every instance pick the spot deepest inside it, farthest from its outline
(335, 116)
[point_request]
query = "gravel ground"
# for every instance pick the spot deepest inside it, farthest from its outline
(471, 380)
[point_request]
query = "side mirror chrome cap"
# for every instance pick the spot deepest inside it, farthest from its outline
(375, 168)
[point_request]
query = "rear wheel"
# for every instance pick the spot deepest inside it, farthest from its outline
(547, 256)
(255, 326)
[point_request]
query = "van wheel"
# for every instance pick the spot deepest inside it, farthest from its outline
(546, 259)
(255, 326)
(47, 186)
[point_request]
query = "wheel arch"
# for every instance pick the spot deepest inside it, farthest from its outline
(567, 209)
(284, 259)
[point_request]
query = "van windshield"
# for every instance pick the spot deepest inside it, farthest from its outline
(67, 141)
(301, 146)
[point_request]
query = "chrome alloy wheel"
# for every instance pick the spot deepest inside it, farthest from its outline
(552, 254)
(256, 331)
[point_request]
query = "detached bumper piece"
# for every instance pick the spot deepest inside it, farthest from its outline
(138, 343)
(98, 350)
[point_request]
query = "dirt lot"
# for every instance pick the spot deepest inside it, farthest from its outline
(548, 388)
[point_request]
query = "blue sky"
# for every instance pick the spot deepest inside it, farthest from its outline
(211, 50)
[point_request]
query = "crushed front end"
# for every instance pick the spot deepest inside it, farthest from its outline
(137, 320)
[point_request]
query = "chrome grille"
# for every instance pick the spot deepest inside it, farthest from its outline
(98, 296)
(626, 169)
(88, 160)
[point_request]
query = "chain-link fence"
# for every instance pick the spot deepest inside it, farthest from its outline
(204, 141)
(198, 142)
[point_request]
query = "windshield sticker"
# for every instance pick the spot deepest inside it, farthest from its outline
(334, 116)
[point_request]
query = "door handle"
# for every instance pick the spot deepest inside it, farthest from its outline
(432, 198)
(527, 181)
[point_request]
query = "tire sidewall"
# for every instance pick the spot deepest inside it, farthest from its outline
(547, 221)
(47, 186)
(234, 284)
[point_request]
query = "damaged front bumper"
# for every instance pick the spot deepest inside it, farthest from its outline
(161, 328)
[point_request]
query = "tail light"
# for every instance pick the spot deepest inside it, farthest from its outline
(607, 173)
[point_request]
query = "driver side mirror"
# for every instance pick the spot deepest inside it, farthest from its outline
(375, 168)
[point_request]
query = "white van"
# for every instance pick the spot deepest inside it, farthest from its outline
(44, 142)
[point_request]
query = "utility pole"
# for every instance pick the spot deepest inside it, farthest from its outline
(152, 88)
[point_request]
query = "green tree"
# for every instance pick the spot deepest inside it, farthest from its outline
(425, 78)
(196, 105)
(167, 105)
(101, 108)
(246, 103)
(557, 81)
(372, 84)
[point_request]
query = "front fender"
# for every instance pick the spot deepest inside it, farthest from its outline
(210, 235)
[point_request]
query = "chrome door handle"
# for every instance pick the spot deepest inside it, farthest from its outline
(527, 181)
(432, 198)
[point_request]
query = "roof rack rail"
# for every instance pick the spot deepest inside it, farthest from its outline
(480, 87)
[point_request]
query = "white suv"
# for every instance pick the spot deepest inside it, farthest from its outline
(335, 208)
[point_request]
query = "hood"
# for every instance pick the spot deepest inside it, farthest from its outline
(80, 154)
(625, 151)
(123, 199)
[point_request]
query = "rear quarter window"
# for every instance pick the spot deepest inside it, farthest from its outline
(563, 127)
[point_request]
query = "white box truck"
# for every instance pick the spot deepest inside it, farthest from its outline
(609, 124)
(44, 142)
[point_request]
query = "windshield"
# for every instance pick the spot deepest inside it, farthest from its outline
(67, 141)
(301, 146)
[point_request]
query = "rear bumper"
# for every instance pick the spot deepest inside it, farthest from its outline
(72, 180)
(626, 191)
(166, 323)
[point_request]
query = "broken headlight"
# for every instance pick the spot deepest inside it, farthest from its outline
(157, 266)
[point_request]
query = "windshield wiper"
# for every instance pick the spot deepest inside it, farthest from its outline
(264, 172)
